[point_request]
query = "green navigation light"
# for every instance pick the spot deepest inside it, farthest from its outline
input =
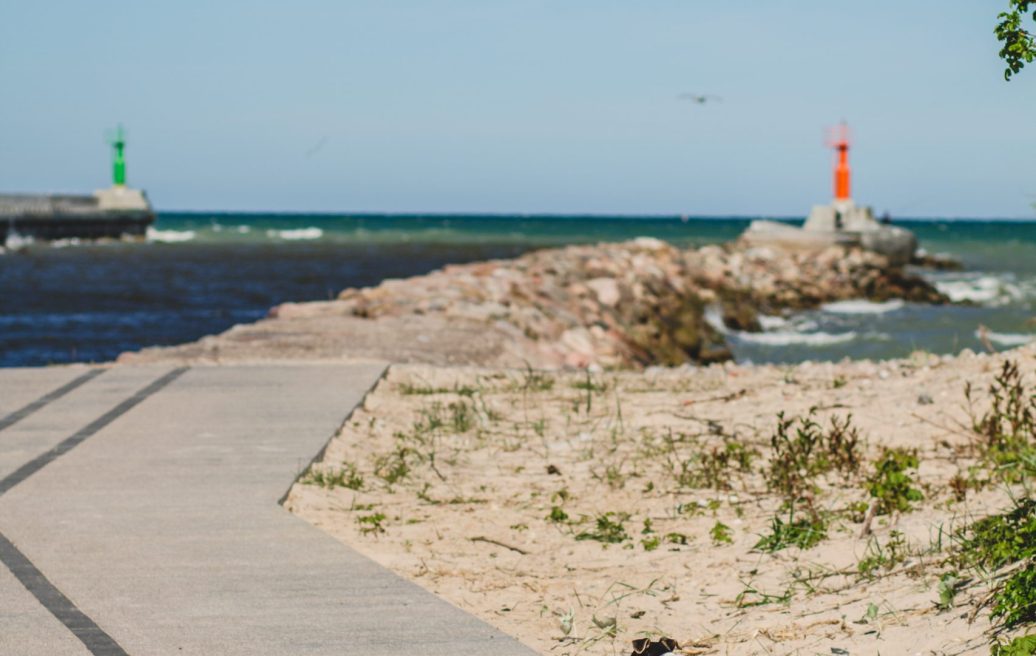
(118, 158)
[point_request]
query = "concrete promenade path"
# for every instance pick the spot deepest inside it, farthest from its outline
(139, 514)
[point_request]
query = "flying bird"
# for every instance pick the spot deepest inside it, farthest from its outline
(700, 98)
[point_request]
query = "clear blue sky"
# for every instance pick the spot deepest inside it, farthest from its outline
(566, 106)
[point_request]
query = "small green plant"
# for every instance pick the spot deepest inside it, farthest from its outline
(393, 467)
(409, 389)
(1020, 646)
(885, 558)
(803, 533)
(802, 450)
(651, 542)
(1006, 432)
(676, 538)
(371, 523)
(536, 381)
(752, 596)
(1014, 602)
(949, 585)
(461, 417)
(609, 529)
(998, 540)
(891, 484)
(839, 382)
(347, 476)
(557, 515)
(713, 468)
(720, 534)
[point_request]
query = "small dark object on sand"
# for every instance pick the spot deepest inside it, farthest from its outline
(924, 399)
(647, 647)
(551, 469)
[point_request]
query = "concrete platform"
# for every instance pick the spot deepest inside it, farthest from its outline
(158, 530)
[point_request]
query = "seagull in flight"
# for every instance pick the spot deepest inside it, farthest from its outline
(700, 98)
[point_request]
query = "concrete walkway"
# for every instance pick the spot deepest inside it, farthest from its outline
(139, 515)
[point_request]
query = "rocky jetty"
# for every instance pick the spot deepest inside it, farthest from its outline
(628, 304)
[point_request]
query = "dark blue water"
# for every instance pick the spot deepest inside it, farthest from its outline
(199, 274)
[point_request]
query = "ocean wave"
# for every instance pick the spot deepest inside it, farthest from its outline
(1005, 339)
(768, 322)
(296, 234)
(170, 236)
(16, 241)
(790, 338)
(986, 290)
(862, 306)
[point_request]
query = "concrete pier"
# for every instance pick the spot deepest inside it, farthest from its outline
(109, 213)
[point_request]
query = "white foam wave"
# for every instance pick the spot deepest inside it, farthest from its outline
(714, 318)
(789, 338)
(1006, 339)
(768, 322)
(16, 241)
(861, 306)
(64, 243)
(296, 234)
(170, 236)
(983, 289)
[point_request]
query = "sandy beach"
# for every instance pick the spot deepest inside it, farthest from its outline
(564, 448)
(490, 456)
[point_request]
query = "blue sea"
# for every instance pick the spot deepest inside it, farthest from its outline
(200, 273)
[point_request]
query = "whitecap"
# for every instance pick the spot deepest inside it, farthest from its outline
(170, 236)
(1006, 339)
(714, 318)
(16, 241)
(862, 306)
(788, 338)
(296, 234)
(984, 289)
(768, 322)
(68, 241)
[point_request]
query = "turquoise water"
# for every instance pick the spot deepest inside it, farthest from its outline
(199, 273)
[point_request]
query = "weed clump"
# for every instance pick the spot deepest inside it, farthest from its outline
(609, 529)
(802, 450)
(885, 558)
(1007, 430)
(891, 484)
(712, 468)
(1007, 539)
(803, 533)
(347, 476)
(720, 534)
(998, 540)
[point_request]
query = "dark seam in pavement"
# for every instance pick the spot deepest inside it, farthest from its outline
(320, 454)
(69, 443)
(92, 636)
(96, 640)
(53, 395)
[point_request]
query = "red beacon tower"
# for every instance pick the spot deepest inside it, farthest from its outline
(838, 138)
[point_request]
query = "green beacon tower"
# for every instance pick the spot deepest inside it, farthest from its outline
(119, 197)
(119, 158)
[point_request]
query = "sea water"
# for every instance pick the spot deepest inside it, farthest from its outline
(200, 273)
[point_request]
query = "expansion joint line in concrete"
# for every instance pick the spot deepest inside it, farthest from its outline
(69, 443)
(61, 607)
(92, 636)
(54, 395)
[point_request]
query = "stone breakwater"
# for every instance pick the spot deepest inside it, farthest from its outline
(630, 304)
